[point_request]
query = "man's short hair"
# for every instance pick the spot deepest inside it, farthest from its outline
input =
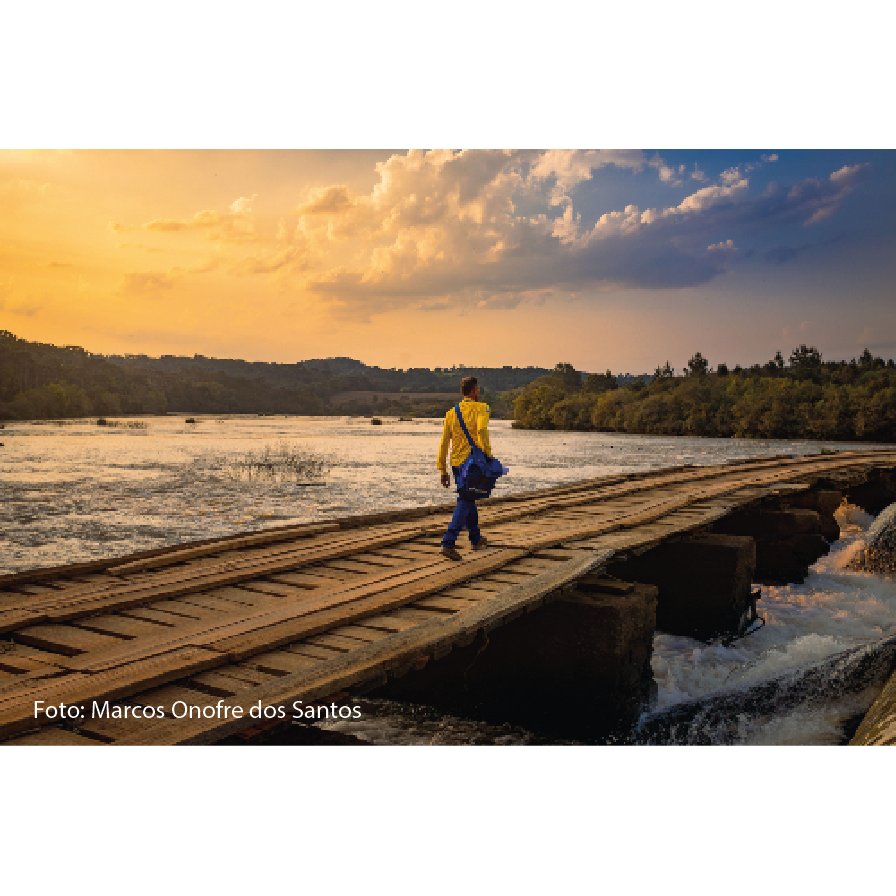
(468, 384)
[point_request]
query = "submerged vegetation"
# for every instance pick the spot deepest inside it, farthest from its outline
(127, 424)
(282, 463)
(803, 397)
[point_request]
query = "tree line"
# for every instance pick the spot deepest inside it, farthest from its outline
(43, 381)
(803, 397)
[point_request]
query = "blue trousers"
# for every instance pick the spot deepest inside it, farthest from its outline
(466, 516)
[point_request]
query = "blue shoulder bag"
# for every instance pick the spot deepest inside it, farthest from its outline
(478, 474)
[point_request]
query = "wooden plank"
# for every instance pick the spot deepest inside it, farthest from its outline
(323, 571)
(359, 632)
(71, 603)
(467, 593)
(275, 589)
(17, 712)
(110, 729)
(219, 685)
(242, 672)
(338, 642)
(29, 682)
(64, 639)
(414, 615)
(30, 590)
(19, 659)
(126, 597)
(306, 579)
(372, 603)
(281, 662)
(442, 602)
(373, 659)
(380, 559)
(385, 591)
(313, 652)
(190, 553)
(150, 614)
(354, 566)
(164, 698)
(184, 610)
(483, 586)
(389, 623)
(239, 597)
(216, 602)
(120, 626)
(505, 578)
(52, 737)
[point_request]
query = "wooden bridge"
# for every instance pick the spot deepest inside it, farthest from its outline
(311, 612)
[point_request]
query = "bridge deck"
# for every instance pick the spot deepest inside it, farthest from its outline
(303, 613)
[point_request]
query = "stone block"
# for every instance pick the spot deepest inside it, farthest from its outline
(771, 525)
(873, 495)
(787, 561)
(704, 583)
(579, 667)
(825, 503)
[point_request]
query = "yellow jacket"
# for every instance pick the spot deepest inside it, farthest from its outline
(475, 414)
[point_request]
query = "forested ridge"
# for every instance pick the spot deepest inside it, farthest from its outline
(42, 381)
(802, 397)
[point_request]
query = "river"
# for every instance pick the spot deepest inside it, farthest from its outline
(73, 491)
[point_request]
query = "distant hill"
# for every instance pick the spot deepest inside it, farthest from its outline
(333, 375)
(42, 381)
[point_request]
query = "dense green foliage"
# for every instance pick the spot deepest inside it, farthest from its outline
(40, 381)
(803, 398)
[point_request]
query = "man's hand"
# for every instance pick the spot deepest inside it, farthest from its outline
(446, 480)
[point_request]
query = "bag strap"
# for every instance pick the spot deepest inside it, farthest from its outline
(463, 426)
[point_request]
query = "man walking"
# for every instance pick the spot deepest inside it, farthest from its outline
(475, 415)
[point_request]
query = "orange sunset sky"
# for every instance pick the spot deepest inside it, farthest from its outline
(615, 258)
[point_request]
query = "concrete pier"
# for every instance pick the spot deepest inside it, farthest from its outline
(579, 666)
(703, 583)
(788, 541)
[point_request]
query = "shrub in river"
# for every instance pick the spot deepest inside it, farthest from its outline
(129, 424)
(283, 462)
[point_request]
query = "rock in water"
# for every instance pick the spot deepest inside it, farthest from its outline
(879, 553)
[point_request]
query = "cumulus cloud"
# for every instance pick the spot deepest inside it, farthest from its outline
(493, 228)
(571, 166)
(234, 225)
(326, 201)
(444, 222)
(139, 283)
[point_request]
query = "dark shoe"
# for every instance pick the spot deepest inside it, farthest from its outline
(482, 543)
(450, 553)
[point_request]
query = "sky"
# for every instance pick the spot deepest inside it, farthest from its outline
(619, 259)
